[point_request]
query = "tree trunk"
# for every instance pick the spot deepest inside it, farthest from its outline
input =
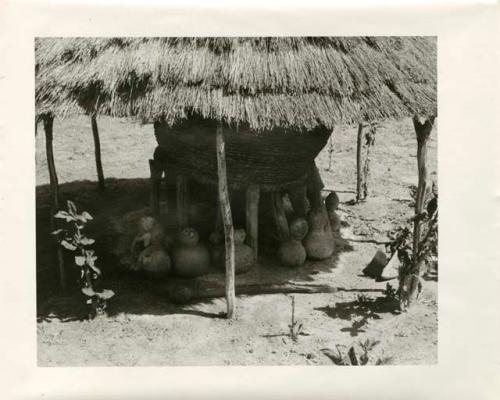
(359, 175)
(97, 149)
(252, 218)
(423, 132)
(227, 219)
(409, 282)
(48, 122)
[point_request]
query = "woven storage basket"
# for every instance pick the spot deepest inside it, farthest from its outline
(272, 159)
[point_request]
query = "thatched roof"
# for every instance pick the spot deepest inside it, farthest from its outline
(297, 83)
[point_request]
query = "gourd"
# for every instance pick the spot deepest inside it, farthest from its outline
(244, 256)
(190, 258)
(331, 204)
(152, 259)
(291, 252)
(319, 241)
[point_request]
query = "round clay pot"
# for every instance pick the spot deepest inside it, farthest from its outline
(298, 228)
(154, 262)
(292, 253)
(190, 258)
(243, 254)
(181, 294)
(319, 242)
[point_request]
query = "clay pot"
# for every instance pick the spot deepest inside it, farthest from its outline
(190, 258)
(244, 257)
(243, 253)
(292, 253)
(332, 201)
(319, 241)
(154, 261)
(331, 204)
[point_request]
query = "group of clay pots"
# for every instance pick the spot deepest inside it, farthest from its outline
(189, 257)
(312, 237)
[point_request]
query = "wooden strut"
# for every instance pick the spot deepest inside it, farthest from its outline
(155, 181)
(422, 131)
(97, 150)
(298, 198)
(252, 218)
(227, 220)
(314, 187)
(182, 200)
(48, 123)
(359, 178)
(279, 216)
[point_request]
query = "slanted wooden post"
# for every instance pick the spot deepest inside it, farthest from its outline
(227, 220)
(298, 198)
(359, 177)
(48, 122)
(97, 150)
(314, 187)
(423, 131)
(156, 171)
(279, 216)
(252, 217)
(182, 201)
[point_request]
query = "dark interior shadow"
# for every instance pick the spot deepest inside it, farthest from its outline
(135, 294)
(361, 311)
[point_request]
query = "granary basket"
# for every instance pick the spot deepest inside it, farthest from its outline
(273, 159)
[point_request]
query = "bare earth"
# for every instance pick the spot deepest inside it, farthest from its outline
(144, 328)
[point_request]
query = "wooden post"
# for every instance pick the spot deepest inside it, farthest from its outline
(227, 219)
(97, 150)
(280, 216)
(298, 198)
(182, 201)
(314, 186)
(48, 122)
(155, 181)
(252, 217)
(359, 178)
(423, 131)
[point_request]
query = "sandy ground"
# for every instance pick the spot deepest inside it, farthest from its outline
(145, 328)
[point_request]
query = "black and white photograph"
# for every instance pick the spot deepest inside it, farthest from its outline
(218, 200)
(236, 201)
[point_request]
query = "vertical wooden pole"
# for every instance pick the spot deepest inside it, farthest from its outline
(252, 218)
(48, 123)
(359, 178)
(279, 216)
(97, 150)
(182, 201)
(423, 131)
(227, 219)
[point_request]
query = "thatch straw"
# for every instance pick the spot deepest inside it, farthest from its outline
(297, 83)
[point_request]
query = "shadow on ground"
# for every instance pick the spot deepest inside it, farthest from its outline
(361, 311)
(136, 294)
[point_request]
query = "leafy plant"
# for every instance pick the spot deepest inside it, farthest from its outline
(410, 284)
(350, 357)
(73, 238)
